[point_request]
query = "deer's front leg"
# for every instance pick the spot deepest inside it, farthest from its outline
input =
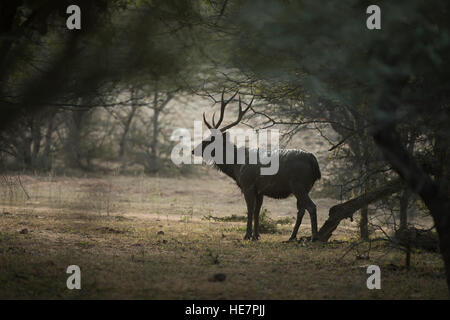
(250, 200)
(258, 204)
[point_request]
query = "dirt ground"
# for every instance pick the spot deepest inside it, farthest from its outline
(149, 238)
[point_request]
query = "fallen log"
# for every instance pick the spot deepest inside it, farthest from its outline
(346, 210)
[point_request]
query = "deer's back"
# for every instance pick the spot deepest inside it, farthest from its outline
(295, 171)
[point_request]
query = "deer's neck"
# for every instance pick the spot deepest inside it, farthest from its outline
(232, 169)
(229, 169)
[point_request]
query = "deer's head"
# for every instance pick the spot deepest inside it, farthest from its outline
(215, 129)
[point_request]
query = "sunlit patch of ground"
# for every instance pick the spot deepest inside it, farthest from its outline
(140, 237)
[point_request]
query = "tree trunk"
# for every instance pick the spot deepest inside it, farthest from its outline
(36, 136)
(47, 160)
(404, 210)
(154, 156)
(25, 149)
(363, 223)
(154, 161)
(127, 126)
(73, 145)
(126, 129)
(433, 194)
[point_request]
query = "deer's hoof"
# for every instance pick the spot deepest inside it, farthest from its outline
(255, 238)
(292, 239)
(247, 236)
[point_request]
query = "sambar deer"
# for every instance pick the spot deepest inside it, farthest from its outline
(297, 172)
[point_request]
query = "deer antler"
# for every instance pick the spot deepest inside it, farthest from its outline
(224, 103)
(206, 122)
(240, 116)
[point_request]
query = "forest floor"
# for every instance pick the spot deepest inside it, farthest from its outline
(159, 238)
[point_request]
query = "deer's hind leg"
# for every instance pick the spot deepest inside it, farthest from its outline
(312, 209)
(300, 213)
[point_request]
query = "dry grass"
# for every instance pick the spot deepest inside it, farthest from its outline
(110, 227)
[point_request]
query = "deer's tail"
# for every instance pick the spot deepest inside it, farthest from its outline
(315, 167)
